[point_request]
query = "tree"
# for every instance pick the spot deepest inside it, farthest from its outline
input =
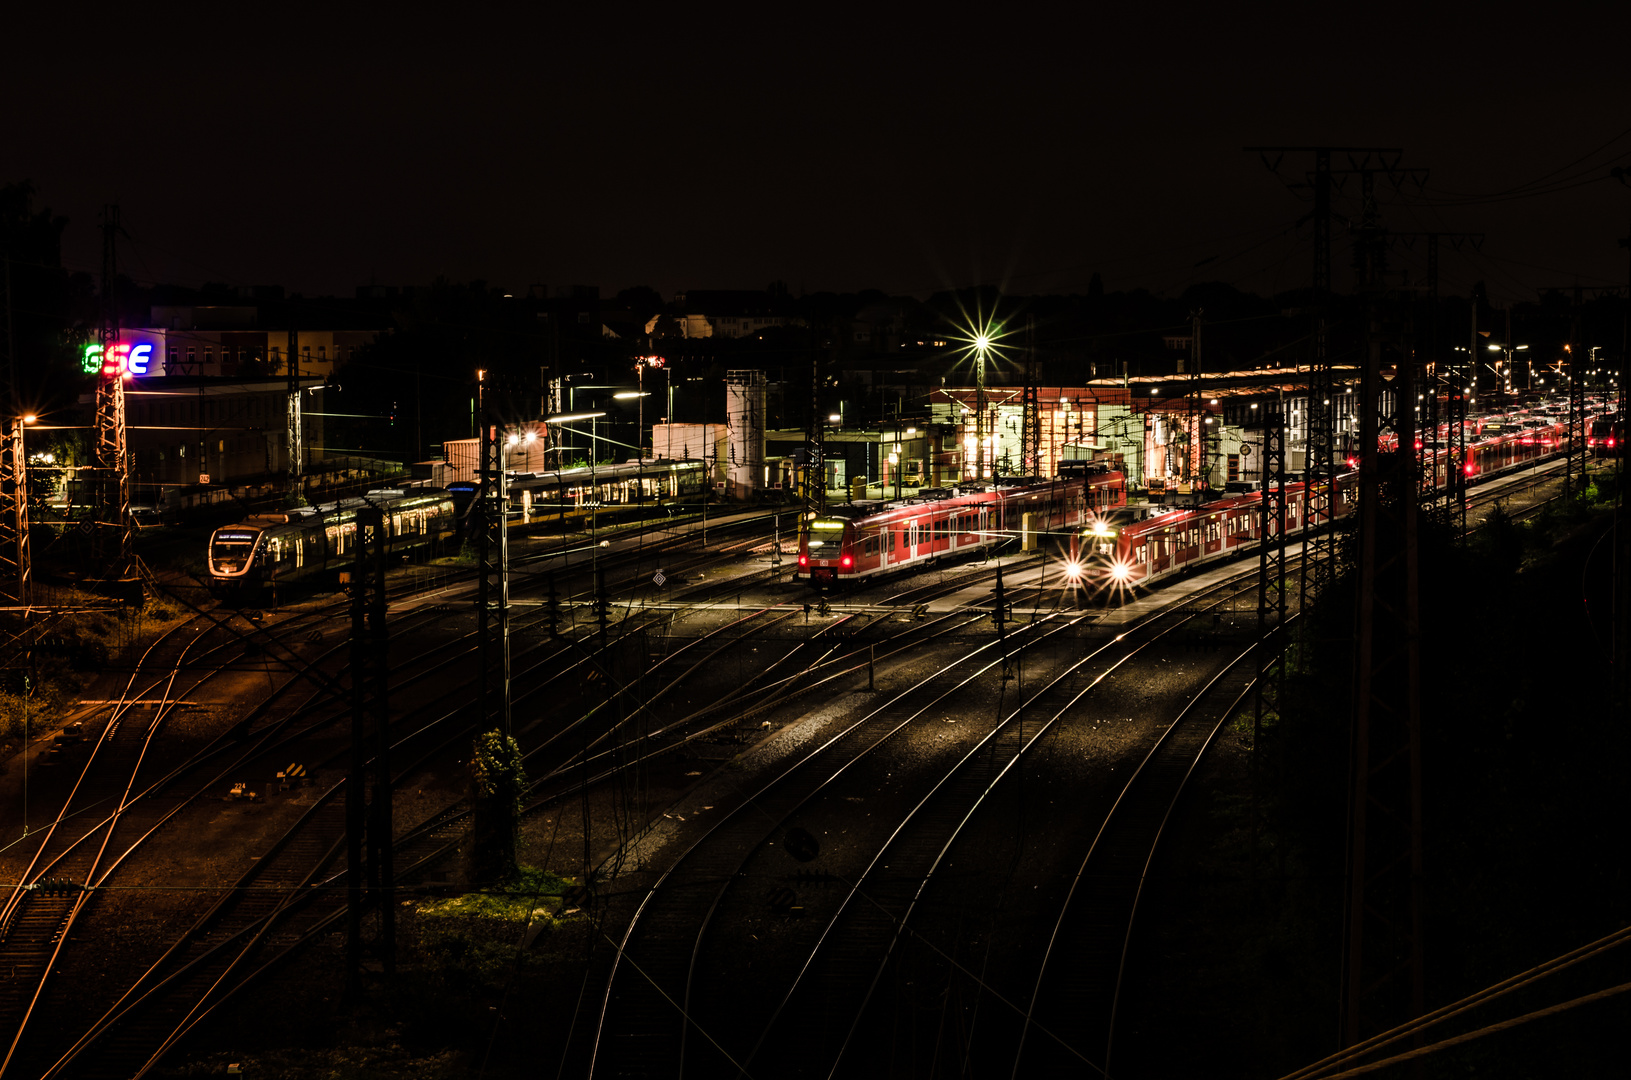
(50, 310)
(498, 787)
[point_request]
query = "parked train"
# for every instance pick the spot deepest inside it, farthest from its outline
(1607, 437)
(863, 539)
(311, 542)
(569, 498)
(1134, 546)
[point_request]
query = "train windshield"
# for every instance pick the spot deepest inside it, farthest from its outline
(823, 532)
(230, 549)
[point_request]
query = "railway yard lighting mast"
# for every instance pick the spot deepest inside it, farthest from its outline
(15, 560)
(112, 520)
(1505, 373)
(982, 345)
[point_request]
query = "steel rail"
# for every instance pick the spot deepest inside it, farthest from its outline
(919, 817)
(1134, 788)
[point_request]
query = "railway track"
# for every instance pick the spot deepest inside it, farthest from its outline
(656, 987)
(268, 908)
(280, 929)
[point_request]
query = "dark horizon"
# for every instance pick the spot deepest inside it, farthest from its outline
(875, 150)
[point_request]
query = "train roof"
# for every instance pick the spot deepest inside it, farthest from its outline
(343, 509)
(601, 472)
(858, 509)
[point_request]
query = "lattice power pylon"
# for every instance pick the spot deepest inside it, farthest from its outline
(1320, 465)
(294, 437)
(112, 509)
(370, 873)
(1384, 977)
(1030, 434)
(15, 561)
(813, 490)
(493, 554)
(1271, 558)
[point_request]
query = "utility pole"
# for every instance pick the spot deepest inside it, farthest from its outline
(294, 437)
(16, 566)
(1447, 372)
(493, 555)
(979, 410)
(815, 479)
(370, 873)
(1319, 547)
(1576, 439)
(1195, 443)
(1030, 447)
(112, 521)
(1384, 976)
(1579, 357)
(1271, 563)
(1621, 633)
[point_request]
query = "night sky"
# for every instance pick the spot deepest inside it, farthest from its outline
(829, 147)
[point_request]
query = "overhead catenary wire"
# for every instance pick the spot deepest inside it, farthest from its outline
(1319, 1070)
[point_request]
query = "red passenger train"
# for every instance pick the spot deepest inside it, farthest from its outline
(864, 539)
(1137, 545)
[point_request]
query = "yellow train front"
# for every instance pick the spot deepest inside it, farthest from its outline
(826, 549)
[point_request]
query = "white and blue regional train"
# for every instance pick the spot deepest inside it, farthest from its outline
(311, 542)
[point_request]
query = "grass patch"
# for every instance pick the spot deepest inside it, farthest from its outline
(532, 895)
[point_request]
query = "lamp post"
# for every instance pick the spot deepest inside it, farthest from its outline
(640, 424)
(897, 458)
(572, 407)
(562, 420)
(982, 343)
(1508, 350)
(640, 365)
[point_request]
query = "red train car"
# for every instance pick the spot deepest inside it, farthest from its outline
(1136, 545)
(864, 539)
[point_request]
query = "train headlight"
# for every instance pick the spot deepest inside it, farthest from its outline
(1120, 571)
(804, 560)
(1073, 570)
(846, 562)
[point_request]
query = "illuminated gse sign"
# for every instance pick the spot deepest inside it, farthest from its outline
(117, 359)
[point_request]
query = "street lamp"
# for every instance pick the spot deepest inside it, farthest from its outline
(640, 365)
(1508, 350)
(897, 456)
(565, 418)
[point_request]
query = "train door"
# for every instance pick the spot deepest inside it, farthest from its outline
(911, 539)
